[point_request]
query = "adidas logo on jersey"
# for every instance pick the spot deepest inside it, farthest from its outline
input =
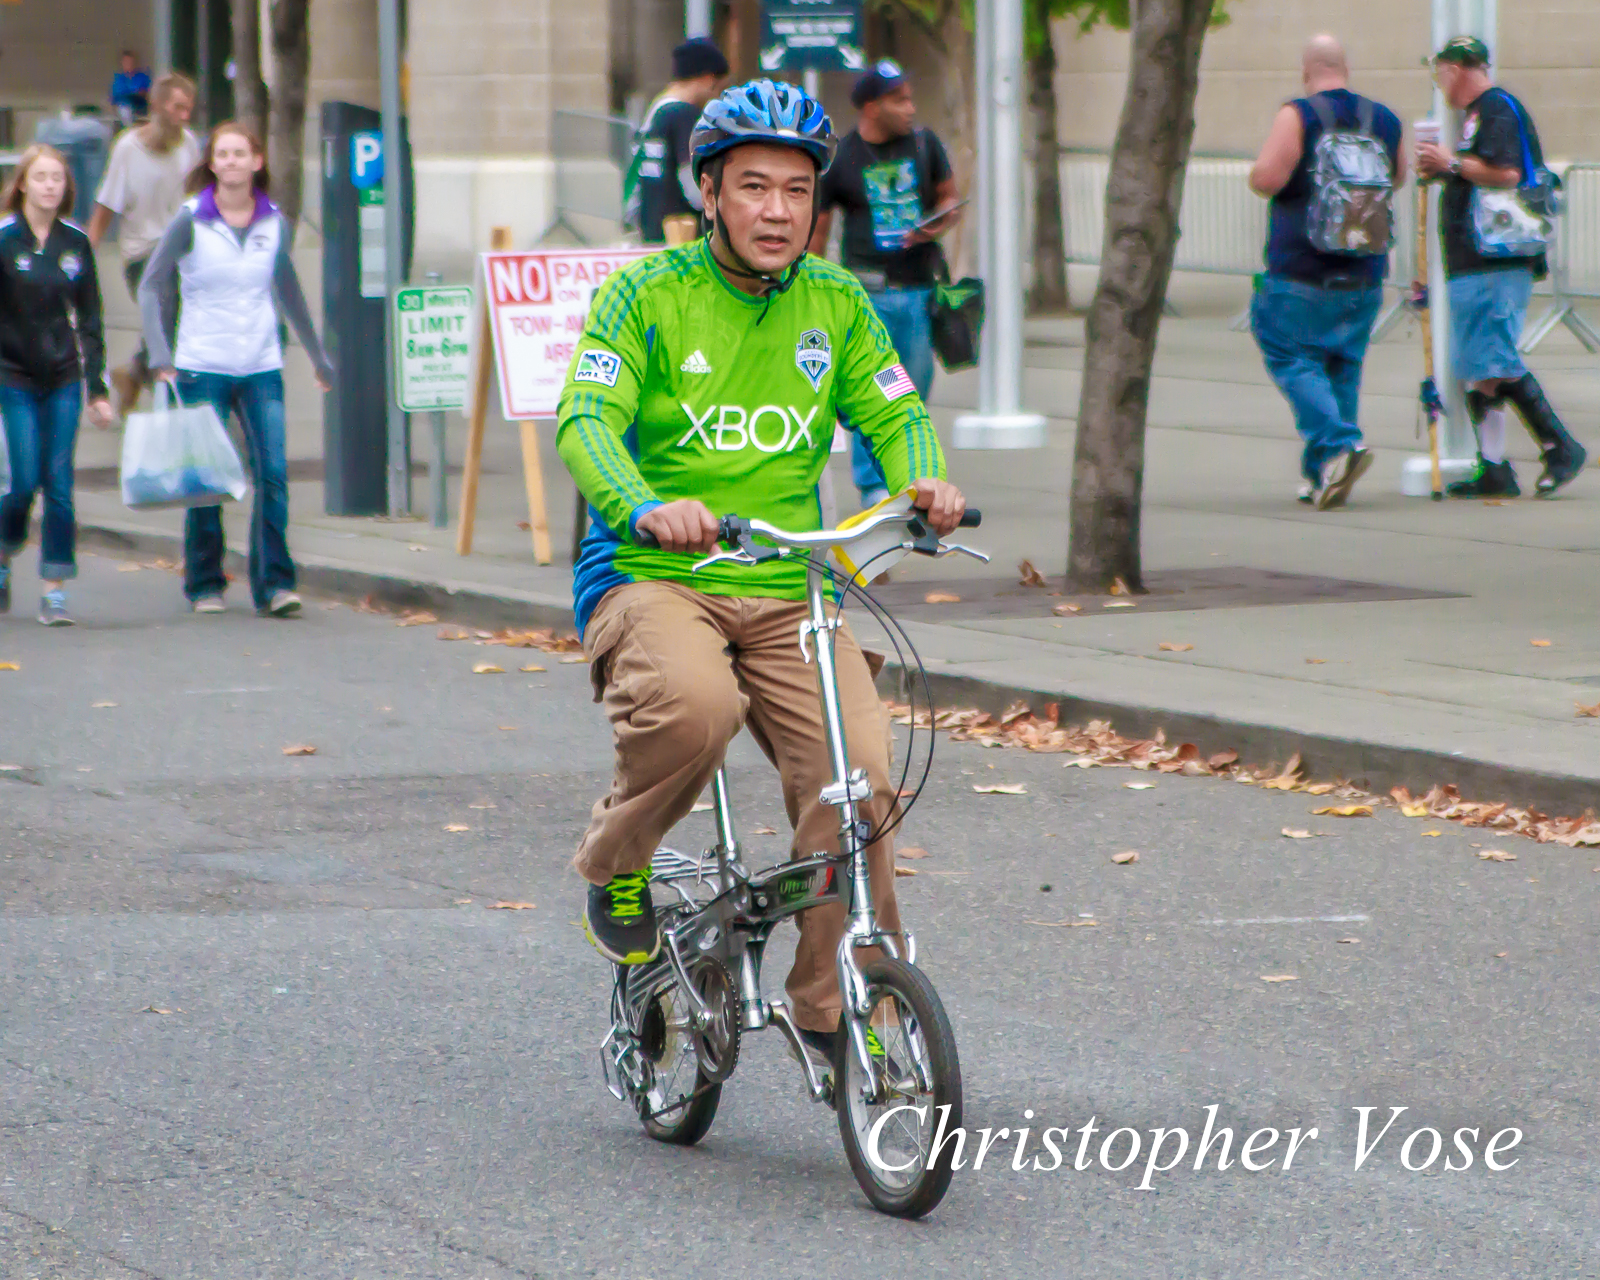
(696, 363)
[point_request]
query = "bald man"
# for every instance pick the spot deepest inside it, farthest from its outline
(1327, 255)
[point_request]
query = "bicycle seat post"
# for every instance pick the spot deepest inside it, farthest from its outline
(730, 866)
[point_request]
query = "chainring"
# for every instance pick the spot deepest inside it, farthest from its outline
(716, 1047)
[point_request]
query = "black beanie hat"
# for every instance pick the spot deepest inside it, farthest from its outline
(698, 56)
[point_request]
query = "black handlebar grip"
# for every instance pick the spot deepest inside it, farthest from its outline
(971, 518)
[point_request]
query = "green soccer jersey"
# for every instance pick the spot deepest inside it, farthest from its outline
(684, 387)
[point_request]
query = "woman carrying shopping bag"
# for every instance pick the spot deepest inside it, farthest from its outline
(48, 289)
(226, 259)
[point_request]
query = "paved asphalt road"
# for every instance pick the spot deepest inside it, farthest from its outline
(359, 1073)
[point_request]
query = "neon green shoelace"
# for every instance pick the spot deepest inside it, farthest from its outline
(627, 892)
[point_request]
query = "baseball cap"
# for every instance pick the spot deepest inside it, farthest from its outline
(881, 78)
(1466, 51)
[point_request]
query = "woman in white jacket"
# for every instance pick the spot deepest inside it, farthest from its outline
(224, 265)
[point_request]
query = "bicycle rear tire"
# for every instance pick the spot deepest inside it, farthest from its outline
(918, 1005)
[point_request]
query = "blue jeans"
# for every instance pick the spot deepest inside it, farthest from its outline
(1313, 342)
(258, 398)
(904, 313)
(41, 430)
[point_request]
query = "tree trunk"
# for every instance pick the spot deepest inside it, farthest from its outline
(1048, 291)
(1142, 201)
(291, 61)
(249, 93)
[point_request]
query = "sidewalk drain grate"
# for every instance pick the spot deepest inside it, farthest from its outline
(1169, 590)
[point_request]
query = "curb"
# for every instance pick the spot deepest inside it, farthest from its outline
(318, 576)
(1374, 766)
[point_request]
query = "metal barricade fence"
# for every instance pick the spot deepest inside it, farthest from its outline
(1574, 260)
(590, 154)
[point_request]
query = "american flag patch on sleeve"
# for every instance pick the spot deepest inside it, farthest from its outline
(894, 382)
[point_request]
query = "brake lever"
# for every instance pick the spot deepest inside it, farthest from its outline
(736, 557)
(955, 548)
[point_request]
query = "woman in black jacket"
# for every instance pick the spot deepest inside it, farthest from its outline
(47, 281)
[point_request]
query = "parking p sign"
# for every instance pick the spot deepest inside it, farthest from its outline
(366, 159)
(433, 350)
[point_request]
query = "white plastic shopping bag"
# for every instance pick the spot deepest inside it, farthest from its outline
(178, 457)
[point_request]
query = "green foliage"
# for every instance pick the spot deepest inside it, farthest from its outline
(1091, 13)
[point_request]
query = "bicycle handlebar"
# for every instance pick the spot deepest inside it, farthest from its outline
(732, 528)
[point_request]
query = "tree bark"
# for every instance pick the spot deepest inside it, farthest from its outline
(291, 61)
(249, 93)
(1048, 290)
(1142, 201)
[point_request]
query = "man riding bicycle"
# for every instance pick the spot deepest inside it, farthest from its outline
(707, 383)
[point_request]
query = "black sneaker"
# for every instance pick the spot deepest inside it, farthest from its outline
(1561, 464)
(1489, 480)
(821, 1046)
(621, 919)
(1339, 476)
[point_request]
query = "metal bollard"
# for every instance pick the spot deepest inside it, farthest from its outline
(438, 486)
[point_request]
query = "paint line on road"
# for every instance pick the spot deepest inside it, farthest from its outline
(1354, 918)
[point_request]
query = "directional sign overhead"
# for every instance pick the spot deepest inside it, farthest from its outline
(825, 34)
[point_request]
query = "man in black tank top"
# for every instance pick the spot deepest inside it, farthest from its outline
(1315, 305)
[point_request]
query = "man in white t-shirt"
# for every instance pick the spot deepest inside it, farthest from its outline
(144, 187)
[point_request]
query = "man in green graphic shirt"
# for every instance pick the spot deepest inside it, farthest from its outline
(706, 384)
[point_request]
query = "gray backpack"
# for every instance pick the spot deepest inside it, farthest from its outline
(1351, 209)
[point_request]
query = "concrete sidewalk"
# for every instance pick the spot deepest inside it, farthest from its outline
(1421, 616)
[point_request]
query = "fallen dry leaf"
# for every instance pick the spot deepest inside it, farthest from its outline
(1343, 811)
(1065, 924)
(483, 804)
(533, 667)
(1001, 789)
(416, 546)
(1173, 647)
(700, 807)
(454, 633)
(772, 831)
(911, 851)
(510, 906)
(1029, 576)
(100, 706)
(1066, 609)
(1540, 644)
(1119, 587)
(129, 568)
(1321, 789)
(369, 603)
(10, 666)
(941, 597)
(1496, 855)
(1315, 662)
(1120, 604)
(1347, 939)
(1433, 833)
(904, 871)
(155, 1008)
(1501, 955)
(1124, 858)
(1139, 786)
(506, 728)
(575, 660)
(458, 826)
(302, 749)
(1223, 758)
(415, 618)
(1289, 779)
(1588, 711)
(1297, 833)
(488, 669)
(461, 902)
(1280, 977)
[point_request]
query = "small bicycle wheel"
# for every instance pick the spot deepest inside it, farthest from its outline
(890, 1142)
(680, 1103)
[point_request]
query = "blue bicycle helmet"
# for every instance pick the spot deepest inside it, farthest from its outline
(762, 111)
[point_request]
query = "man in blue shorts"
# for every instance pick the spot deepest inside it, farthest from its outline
(1489, 294)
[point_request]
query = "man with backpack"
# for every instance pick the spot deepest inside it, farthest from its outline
(1494, 219)
(1330, 165)
(898, 192)
(662, 194)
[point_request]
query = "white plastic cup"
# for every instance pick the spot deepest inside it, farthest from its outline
(1428, 131)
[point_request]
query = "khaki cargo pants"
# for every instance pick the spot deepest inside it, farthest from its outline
(680, 672)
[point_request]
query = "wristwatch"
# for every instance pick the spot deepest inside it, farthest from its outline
(1454, 166)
